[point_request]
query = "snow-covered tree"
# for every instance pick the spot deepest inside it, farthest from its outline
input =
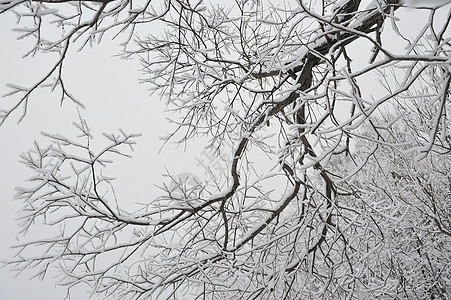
(323, 196)
(406, 200)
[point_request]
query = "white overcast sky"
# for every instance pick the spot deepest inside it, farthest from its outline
(109, 88)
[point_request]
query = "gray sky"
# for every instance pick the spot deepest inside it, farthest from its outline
(109, 88)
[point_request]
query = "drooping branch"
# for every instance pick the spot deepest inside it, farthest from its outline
(258, 83)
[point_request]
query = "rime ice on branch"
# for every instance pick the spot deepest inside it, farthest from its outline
(333, 186)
